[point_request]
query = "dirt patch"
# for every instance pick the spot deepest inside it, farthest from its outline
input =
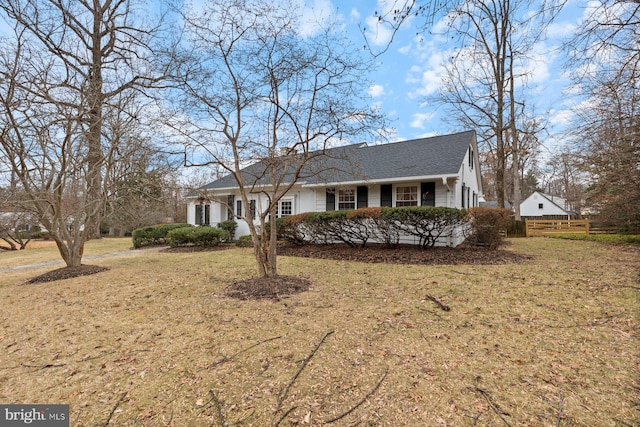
(407, 254)
(66, 273)
(273, 288)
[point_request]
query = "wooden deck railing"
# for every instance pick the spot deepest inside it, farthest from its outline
(537, 227)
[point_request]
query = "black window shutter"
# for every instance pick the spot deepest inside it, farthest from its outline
(230, 199)
(199, 214)
(331, 199)
(428, 194)
(386, 195)
(252, 209)
(363, 196)
(239, 208)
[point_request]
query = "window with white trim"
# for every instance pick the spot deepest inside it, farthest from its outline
(346, 199)
(407, 196)
(285, 208)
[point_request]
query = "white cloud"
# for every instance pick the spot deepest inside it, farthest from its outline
(419, 120)
(536, 66)
(561, 118)
(378, 33)
(405, 49)
(560, 30)
(429, 83)
(427, 77)
(376, 91)
(314, 16)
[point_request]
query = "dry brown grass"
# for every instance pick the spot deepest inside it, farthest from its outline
(152, 342)
(38, 251)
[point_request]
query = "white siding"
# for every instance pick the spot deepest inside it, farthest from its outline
(448, 194)
(530, 206)
(469, 178)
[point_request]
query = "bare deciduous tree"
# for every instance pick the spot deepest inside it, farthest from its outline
(605, 57)
(259, 91)
(141, 177)
(66, 65)
(483, 86)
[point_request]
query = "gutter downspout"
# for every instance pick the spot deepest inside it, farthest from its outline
(446, 184)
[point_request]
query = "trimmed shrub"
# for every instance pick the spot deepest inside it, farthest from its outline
(384, 225)
(293, 228)
(196, 236)
(372, 225)
(326, 227)
(154, 235)
(489, 226)
(245, 241)
(230, 227)
(427, 223)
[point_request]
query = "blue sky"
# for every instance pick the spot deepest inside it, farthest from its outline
(410, 70)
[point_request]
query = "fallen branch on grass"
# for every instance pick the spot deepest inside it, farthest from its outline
(218, 405)
(364, 399)
(48, 365)
(226, 359)
(113, 410)
(439, 303)
(494, 406)
(285, 415)
(285, 392)
(561, 404)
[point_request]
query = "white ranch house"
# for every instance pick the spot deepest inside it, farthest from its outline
(436, 171)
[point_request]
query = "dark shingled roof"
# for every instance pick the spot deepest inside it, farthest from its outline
(434, 156)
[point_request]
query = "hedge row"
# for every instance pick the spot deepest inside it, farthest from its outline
(379, 224)
(182, 234)
(154, 235)
(197, 236)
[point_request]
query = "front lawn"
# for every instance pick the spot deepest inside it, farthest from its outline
(153, 341)
(624, 239)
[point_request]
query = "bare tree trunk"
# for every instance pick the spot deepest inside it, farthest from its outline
(70, 62)
(515, 143)
(71, 253)
(95, 156)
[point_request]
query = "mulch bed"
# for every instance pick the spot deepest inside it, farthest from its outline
(66, 273)
(273, 288)
(406, 254)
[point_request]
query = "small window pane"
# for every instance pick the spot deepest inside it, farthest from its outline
(407, 196)
(285, 208)
(346, 199)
